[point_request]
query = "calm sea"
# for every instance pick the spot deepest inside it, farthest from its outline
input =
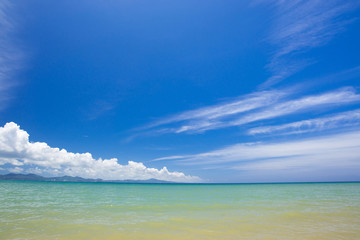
(50, 210)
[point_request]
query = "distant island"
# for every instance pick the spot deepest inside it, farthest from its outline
(34, 177)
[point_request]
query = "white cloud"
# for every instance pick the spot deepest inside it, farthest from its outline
(300, 26)
(350, 118)
(307, 103)
(15, 170)
(336, 151)
(254, 107)
(10, 56)
(216, 116)
(212, 113)
(15, 149)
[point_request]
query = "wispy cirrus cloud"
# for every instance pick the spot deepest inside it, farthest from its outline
(300, 26)
(211, 117)
(11, 57)
(339, 97)
(18, 154)
(340, 120)
(211, 113)
(329, 151)
(255, 107)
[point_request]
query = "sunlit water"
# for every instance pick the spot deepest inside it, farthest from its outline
(49, 210)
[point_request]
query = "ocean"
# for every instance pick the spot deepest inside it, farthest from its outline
(55, 210)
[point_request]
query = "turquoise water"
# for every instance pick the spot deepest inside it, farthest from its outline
(50, 210)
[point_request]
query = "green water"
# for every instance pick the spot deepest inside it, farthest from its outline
(49, 210)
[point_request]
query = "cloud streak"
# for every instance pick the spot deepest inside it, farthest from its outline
(216, 116)
(22, 155)
(212, 113)
(339, 97)
(300, 26)
(255, 107)
(331, 151)
(10, 56)
(350, 118)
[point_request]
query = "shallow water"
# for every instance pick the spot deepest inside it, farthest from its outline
(50, 210)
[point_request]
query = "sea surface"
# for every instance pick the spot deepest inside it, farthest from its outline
(54, 210)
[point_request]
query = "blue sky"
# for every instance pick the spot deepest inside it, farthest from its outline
(210, 91)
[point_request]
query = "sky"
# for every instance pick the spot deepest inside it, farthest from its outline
(184, 91)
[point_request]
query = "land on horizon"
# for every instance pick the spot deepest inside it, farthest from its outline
(34, 177)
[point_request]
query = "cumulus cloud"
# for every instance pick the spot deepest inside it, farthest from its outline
(22, 155)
